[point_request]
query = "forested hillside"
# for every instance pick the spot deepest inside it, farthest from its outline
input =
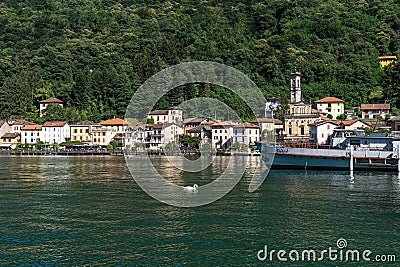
(93, 54)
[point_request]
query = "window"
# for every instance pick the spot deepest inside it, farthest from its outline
(328, 127)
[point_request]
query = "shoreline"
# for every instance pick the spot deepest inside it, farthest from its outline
(110, 153)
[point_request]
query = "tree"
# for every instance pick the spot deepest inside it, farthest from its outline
(341, 117)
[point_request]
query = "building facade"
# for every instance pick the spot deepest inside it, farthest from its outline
(171, 115)
(246, 133)
(373, 111)
(331, 105)
(320, 132)
(221, 134)
(30, 134)
(44, 103)
(55, 132)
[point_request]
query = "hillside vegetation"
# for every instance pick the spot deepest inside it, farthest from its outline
(93, 54)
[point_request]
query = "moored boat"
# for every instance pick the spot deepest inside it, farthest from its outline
(367, 153)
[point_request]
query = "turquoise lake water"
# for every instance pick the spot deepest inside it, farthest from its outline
(88, 211)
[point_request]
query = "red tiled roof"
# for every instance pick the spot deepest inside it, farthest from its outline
(159, 112)
(152, 125)
(246, 125)
(51, 100)
(224, 123)
(330, 99)
(31, 127)
(348, 122)
(22, 122)
(387, 57)
(267, 120)
(116, 121)
(210, 122)
(375, 106)
(54, 123)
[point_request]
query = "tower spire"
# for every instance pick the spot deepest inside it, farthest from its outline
(295, 87)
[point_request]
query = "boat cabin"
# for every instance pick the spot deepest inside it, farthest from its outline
(340, 136)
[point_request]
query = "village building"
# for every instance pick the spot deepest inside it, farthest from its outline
(320, 132)
(246, 133)
(44, 103)
(31, 134)
(386, 60)
(115, 125)
(171, 115)
(55, 132)
(203, 131)
(134, 137)
(17, 125)
(10, 140)
(353, 124)
(373, 111)
(300, 114)
(271, 106)
(331, 105)
(4, 127)
(82, 131)
(394, 123)
(221, 134)
(100, 135)
(191, 123)
(268, 125)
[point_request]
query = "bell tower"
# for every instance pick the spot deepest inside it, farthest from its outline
(295, 89)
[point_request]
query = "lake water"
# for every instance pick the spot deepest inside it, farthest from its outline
(64, 211)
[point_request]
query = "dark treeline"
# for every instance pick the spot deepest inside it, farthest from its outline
(93, 54)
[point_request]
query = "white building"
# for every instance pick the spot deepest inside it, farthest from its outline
(372, 111)
(271, 106)
(55, 132)
(353, 124)
(30, 134)
(246, 133)
(221, 134)
(171, 115)
(320, 132)
(331, 105)
(44, 103)
(17, 125)
(171, 132)
(158, 135)
(134, 137)
(116, 125)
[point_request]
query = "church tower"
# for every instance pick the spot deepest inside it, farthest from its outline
(295, 89)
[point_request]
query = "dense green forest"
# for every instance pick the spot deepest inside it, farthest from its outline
(93, 54)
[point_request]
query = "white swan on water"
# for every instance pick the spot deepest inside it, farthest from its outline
(193, 188)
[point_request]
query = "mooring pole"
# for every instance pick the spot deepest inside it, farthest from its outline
(398, 160)
(351, 160)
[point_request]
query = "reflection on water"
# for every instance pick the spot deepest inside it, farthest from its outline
(89, 211)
